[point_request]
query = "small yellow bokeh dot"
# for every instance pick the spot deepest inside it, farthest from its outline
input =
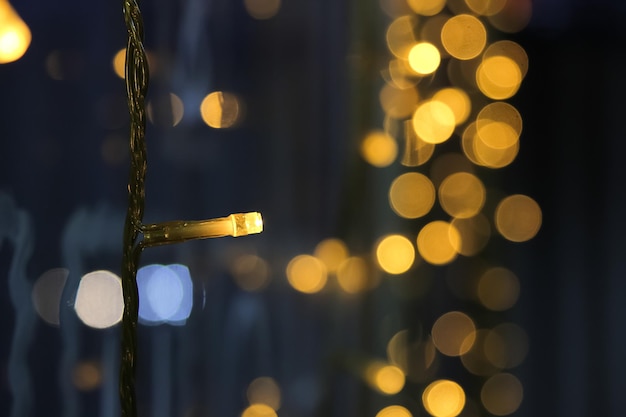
(387, 379)
(259, 410)
(498, 289)
(464, 36)
(395, 254)
(306, 274)
(498, 77)
(379, 149)
(457, 100)
(332, 252)
(220, 110)
(462, 195)
(443, 398)
(353, 275)
(424, 58)
(437, 242)
(412, 195)
(502, 394)
(434, 121)
(454, 333)
(518, 218)
(394, 411)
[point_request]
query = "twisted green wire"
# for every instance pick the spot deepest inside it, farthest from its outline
(136, 87)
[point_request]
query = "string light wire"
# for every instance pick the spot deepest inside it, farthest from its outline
(137, 78)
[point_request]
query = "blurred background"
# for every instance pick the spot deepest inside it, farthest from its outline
(441, 183)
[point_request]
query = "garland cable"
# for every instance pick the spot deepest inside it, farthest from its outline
(240, 224)
(136, 87)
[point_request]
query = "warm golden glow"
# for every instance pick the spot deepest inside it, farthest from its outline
(444, 398)
(454, 333)
(424, 58)
(412, 195)
(15, 35)
(353, 275)
(166, 110)
(332, 252)
(394, 411)
(264, 390)
(400, 36)
(306, 274)
(87, 376)
(235, 225)
(502, 394)
(398, 103)
(416, 151)
(498, 289)
(395, 254)
(385, 378)
(506, 345)
(250, 272)
(436, 242)
(498, 77)
(119, 62)
(427, 7)
(458, 101)
(220, 109)
(510, 50)
(518, 218)
(262, 9)
(379, 149)
(474, 232)
(259, 410)
(462, 195)
(485, 7)
(464, 36)
(434, 121)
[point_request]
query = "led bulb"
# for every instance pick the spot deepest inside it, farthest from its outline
(240, 224)
(246, 224)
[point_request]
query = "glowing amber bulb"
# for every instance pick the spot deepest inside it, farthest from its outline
(240, 224)
(14, 34)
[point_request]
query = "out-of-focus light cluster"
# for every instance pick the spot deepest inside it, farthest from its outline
(446, 84)
(331, 259)
(165, 292)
